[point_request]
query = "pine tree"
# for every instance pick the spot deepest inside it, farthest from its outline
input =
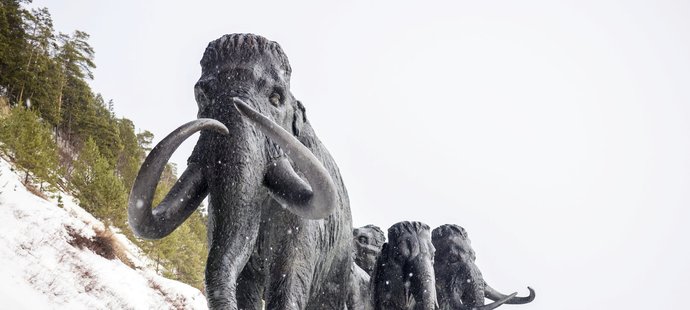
(145, 140)
(104, 129)
(99, 190)
(75, 102)
(186, 254)
(131, 156)
(12, 46)
(40, 41)
(31, 143)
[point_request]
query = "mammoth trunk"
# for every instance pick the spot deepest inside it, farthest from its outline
(234, 167)
(472, 293)
(422, 284)
(235, 170)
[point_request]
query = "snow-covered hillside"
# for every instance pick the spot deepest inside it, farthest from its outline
(47, 259)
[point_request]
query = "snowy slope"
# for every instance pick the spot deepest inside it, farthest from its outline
(41, 269)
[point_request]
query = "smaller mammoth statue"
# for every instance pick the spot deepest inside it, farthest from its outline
(368, 241)
(459, 282)
(403, 277)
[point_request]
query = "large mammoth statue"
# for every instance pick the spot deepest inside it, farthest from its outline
(279, 217)
(403, 277)
(459, 282)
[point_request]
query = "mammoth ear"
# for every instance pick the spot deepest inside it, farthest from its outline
(299, 117)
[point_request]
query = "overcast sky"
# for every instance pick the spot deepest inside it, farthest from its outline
(558, 135)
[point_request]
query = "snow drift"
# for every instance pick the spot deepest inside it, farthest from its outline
(48, 259)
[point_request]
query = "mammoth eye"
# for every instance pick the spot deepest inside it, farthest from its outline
(275, 99)
(363, 239)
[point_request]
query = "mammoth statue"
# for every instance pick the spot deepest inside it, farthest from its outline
(459, 282)
(368, 241)
(403, 277)
(279, 217)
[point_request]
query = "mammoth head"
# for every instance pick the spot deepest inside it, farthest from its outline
(459, 282)
(368, 241)
(409, 240)
(453, 242)
(404, 275)
(253, 69)
(255, 142)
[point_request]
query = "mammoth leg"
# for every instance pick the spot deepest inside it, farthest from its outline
(291, 267)
(250, 285)
(232, 243)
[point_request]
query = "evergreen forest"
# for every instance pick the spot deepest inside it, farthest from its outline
(64, 136)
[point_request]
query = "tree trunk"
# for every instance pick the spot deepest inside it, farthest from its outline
(28, 69)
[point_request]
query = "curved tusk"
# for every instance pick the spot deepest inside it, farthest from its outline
(182, 199)
(285, 185)
(316, 202)
(494, 295)
(497, 303)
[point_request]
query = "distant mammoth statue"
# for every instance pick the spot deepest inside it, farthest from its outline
(459, 282)
(279, 217)
(403, 277)
(368, 241)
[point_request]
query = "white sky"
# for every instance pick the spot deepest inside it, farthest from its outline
(558, 135)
